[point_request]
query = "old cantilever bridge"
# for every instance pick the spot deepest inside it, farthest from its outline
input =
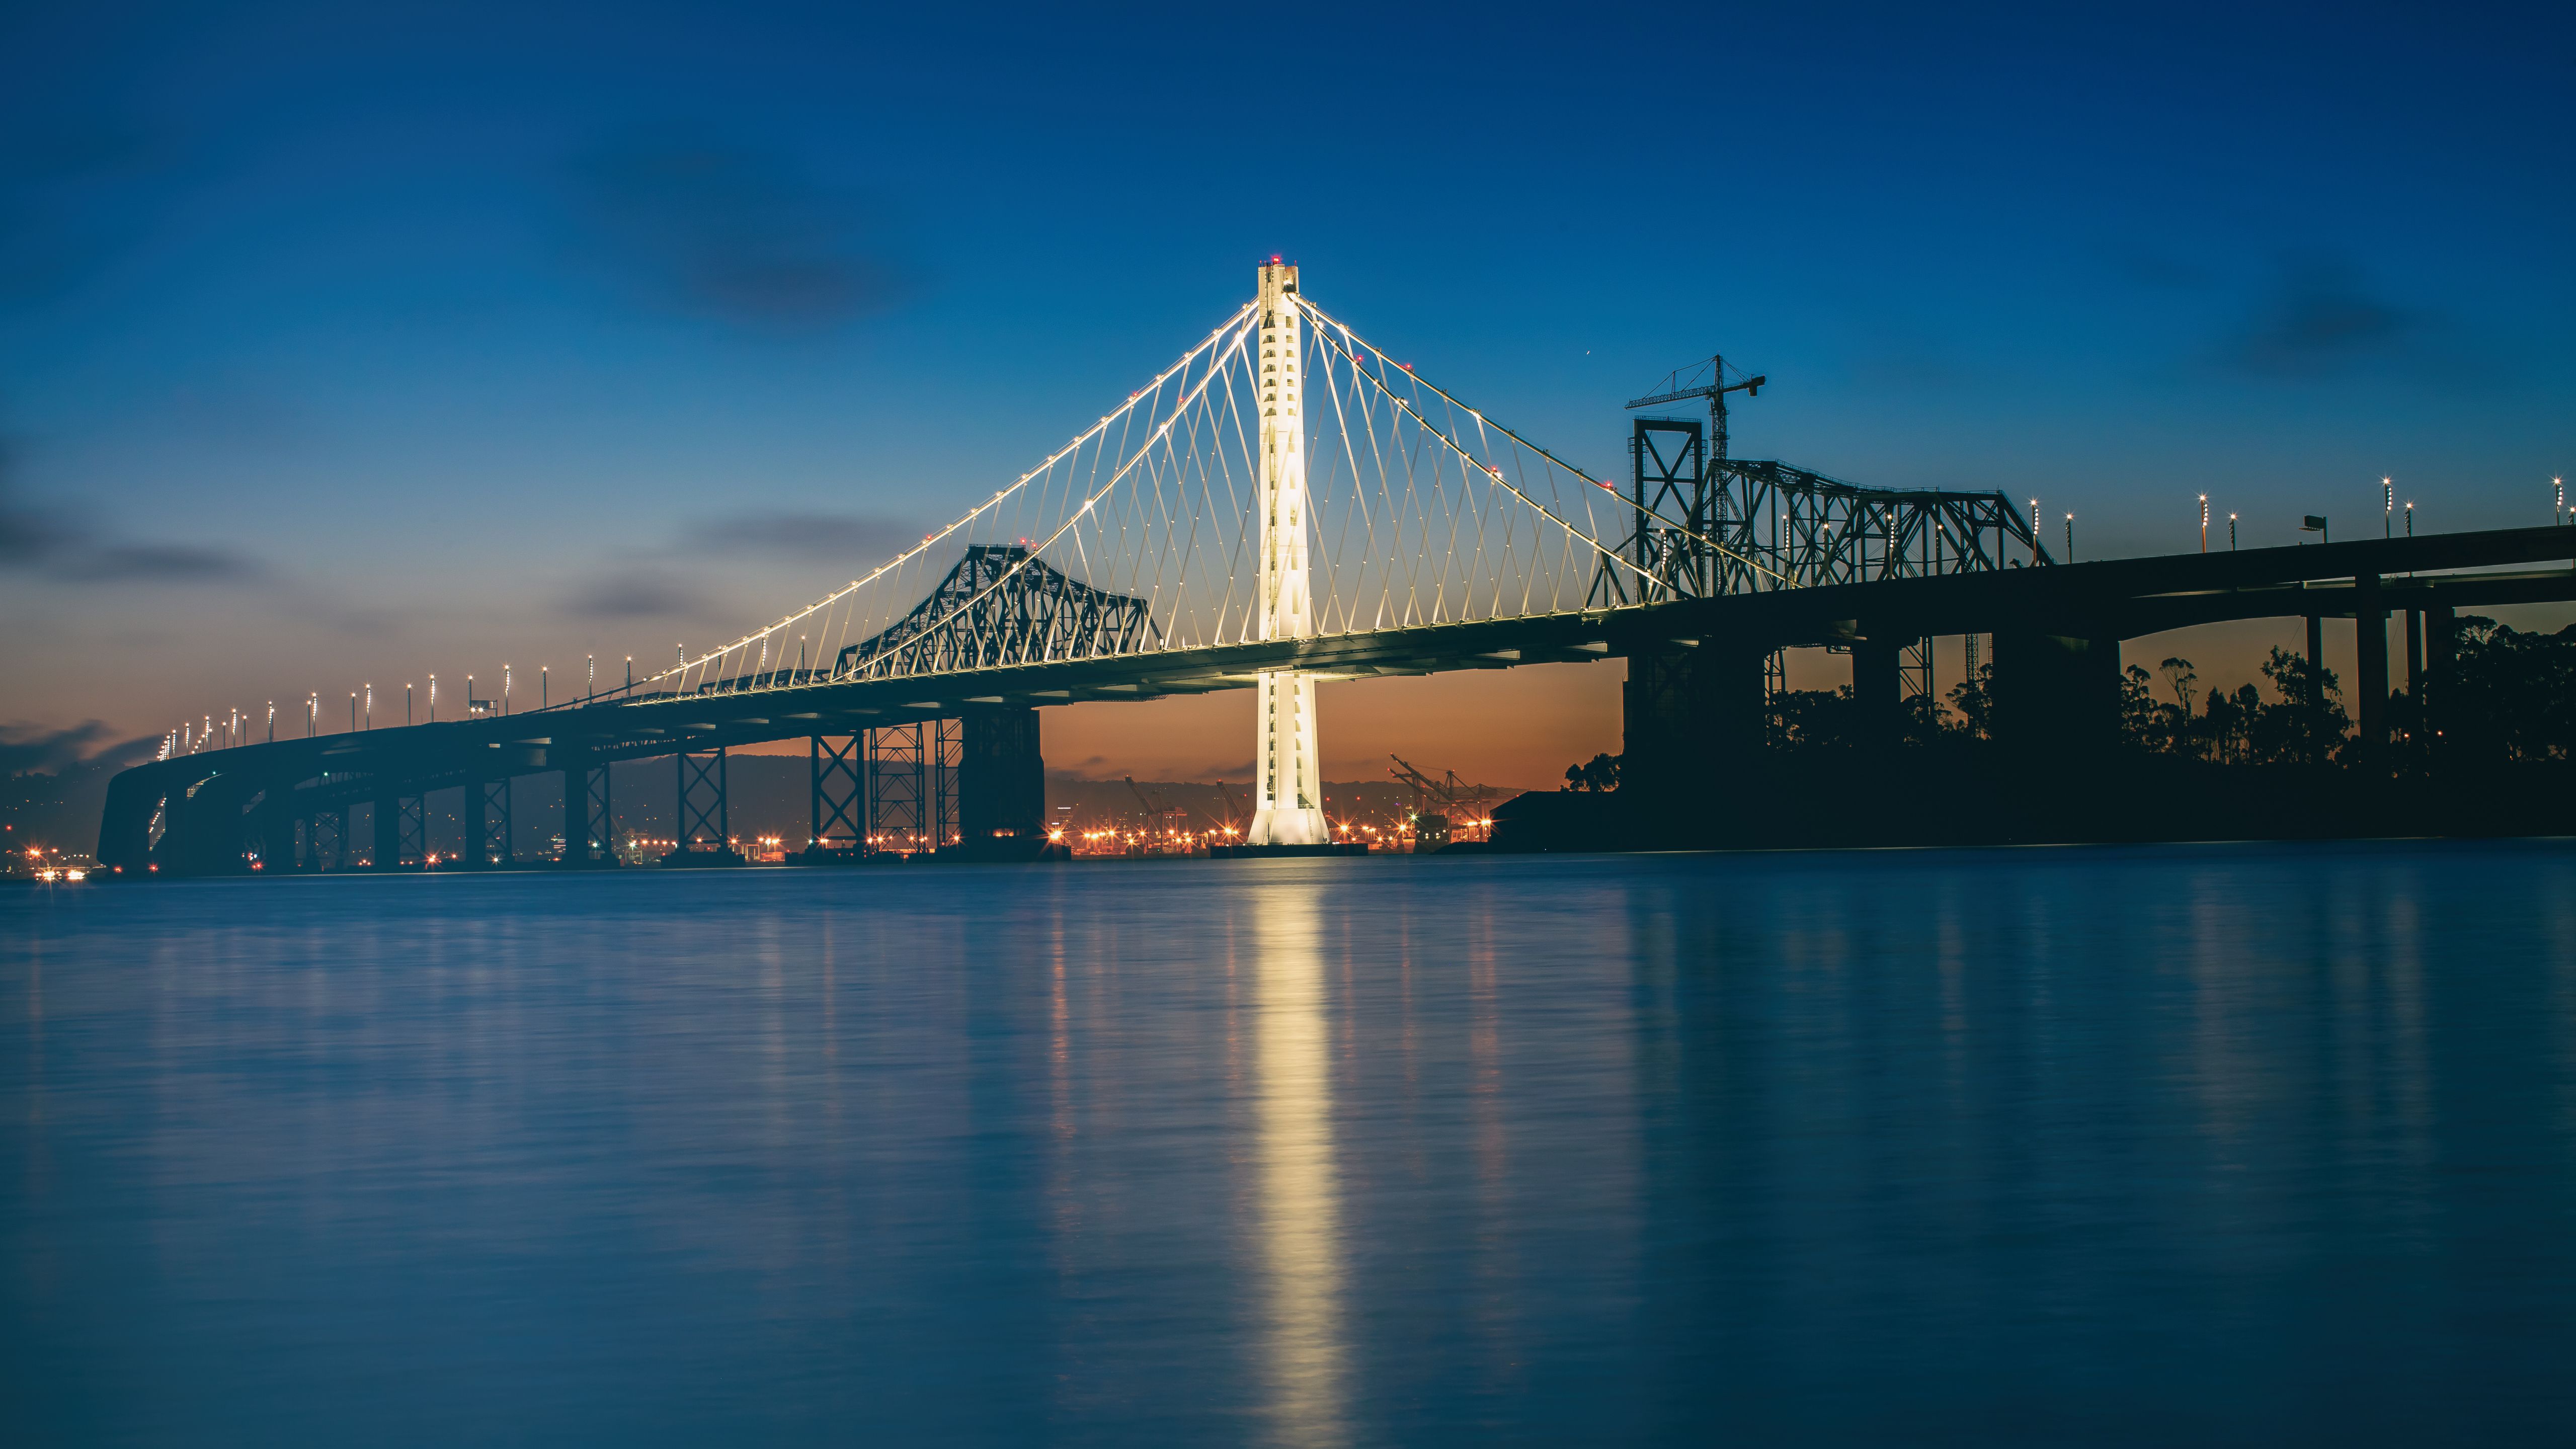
(1285, 505)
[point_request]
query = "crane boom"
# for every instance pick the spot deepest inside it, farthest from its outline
(1672, 389)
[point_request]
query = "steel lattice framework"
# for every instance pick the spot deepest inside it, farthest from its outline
(999, 606)
(1742, 526)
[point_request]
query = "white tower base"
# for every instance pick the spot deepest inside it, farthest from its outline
(1289, 785)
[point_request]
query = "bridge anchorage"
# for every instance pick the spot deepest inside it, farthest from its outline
(1287, 504)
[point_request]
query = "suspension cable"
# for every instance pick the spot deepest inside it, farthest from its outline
(1384, 361)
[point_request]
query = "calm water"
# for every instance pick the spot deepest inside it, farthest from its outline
(2250, 1145)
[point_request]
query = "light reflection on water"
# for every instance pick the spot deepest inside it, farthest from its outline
(1299, 1198)
(2234, 1144)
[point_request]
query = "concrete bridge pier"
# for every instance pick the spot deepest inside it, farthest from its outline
(2370, 682)
(1878, 689)
(1694, 718)
(125, 826)
(1001, 785)
(384, 852)
(202, 832)
(273, 825)
(2441, 655)
(2057, 697)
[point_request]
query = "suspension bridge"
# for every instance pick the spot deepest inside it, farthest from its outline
(1285, 505)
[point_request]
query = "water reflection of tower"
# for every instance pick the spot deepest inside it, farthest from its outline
(1300, 1228)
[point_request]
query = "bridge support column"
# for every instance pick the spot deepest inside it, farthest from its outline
(1878, 690)
(706, 810)
(1001, 784)
(125, 826)
(836, 779)
(494, 843)
(1288, 785)
(588, 816)
(2415, 658)
(2441, 655)
(273, 824)
(1694, 719)
(203, 831)
(2057, 698)
(2317, 680)
(385, 851)
(2370, 642)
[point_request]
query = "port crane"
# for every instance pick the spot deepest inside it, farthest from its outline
(1162, 821)
(1451, 794)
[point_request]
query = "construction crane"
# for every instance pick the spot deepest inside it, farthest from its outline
(1678, 386)
(1451, 794)
(1236, 817)
(1686, 533)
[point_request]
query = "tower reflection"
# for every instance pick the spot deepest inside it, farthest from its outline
(1305, 1347)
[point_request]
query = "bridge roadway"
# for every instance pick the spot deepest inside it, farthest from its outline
(1693, 697)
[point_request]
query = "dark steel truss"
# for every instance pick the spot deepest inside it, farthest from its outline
(706, 818)
(1752, 526)
(999, 606)
(494, 847)
(597, 830)
(838, 793)
(411, 829)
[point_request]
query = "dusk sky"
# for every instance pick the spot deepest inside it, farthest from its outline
(347, 344)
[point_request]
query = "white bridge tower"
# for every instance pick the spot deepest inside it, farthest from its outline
(1289, 798)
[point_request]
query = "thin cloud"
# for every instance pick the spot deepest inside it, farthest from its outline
(637, 596)
(48, 542)
(2320, 319)
(25, 748)
(735, 234)
(854, 538)
(164, 563)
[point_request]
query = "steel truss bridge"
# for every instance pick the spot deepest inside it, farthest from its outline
(1287, 504)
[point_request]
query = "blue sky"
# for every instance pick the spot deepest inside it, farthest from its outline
(340, 347)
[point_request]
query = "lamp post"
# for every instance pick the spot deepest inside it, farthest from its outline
(371, 706)
(272, 721)
(2231, 533)
(406, 704)
(2070, 538)
(2034, 532)
(2204, 522)
(2388, 508)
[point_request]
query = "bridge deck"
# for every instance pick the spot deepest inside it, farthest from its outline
(2121, 598)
